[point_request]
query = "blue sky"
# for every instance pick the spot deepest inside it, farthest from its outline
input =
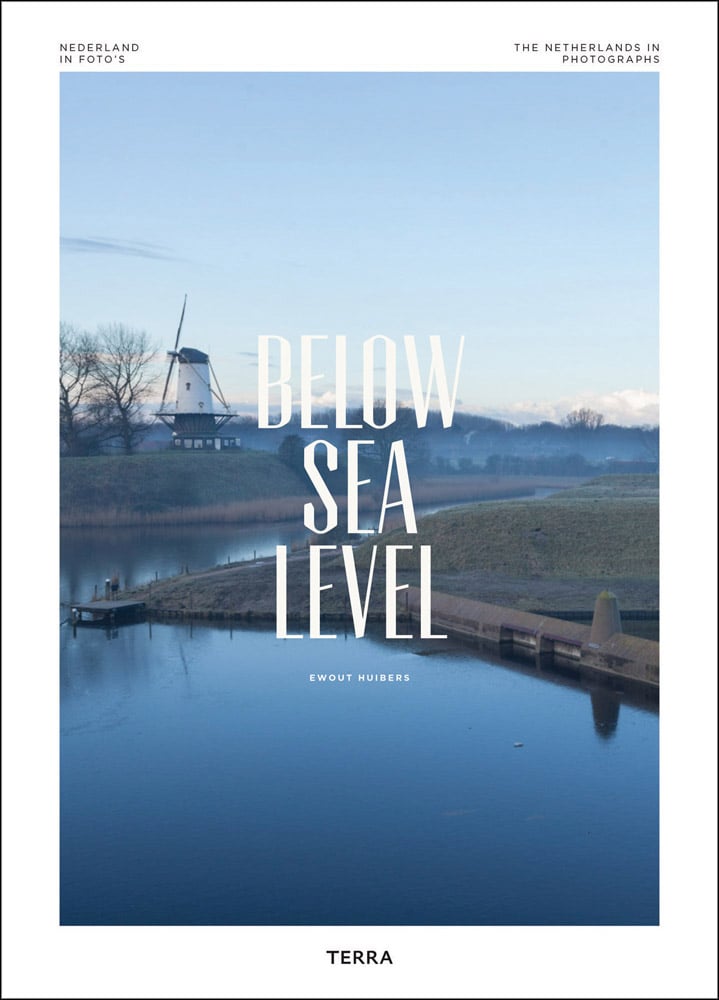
(516, 210)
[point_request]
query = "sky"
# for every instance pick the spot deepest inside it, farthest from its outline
(516, 210)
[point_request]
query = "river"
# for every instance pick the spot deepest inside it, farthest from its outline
(207, 779)
(137, 555)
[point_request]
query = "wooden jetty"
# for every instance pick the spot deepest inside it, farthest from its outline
(106, 613)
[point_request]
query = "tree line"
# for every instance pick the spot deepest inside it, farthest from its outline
(105, 378)
(581, 444)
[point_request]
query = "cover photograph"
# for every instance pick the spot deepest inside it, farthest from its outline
(359, 501)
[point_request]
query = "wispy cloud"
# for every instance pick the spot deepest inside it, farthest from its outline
(125, 248)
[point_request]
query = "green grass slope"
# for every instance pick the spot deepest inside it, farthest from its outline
(607, 528)
(165, 481)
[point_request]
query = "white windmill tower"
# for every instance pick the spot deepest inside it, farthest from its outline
(192, 416)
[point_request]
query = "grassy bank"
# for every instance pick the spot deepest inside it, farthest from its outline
(153, 488)
(239, 487)
(608, 527)
(555, 553)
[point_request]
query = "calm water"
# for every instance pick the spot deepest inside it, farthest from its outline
(207, 780)
(90, 555)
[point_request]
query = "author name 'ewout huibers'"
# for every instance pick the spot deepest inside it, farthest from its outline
(373, 417)
(361, 678)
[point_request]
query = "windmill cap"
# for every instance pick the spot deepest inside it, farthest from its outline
(192, 356)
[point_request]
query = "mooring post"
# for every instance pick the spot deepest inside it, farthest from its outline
(606, 621)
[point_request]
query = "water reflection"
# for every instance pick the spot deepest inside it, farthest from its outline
(139, 555)
(605, 696)
(605, 711)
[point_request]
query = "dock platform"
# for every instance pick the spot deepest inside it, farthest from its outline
(106, 612)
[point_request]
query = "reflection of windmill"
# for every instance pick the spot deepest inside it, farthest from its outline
(192, 417)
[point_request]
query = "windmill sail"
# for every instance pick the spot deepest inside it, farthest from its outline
(173, 355)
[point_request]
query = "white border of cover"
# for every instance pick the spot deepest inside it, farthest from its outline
(42, 959)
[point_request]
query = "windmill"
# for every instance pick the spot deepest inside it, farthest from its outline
(192, 417)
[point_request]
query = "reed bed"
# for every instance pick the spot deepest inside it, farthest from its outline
(290, 508)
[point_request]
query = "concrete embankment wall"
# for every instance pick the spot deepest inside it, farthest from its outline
(618, 655)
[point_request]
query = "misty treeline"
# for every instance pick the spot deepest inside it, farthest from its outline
(105, 378)
(582, 444)
(106, 383)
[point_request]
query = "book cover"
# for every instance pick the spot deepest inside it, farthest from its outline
(359, 495)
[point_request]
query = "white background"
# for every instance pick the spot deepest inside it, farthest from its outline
(42, 959)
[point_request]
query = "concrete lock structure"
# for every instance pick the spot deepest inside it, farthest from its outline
(603, 647)
(607, 620)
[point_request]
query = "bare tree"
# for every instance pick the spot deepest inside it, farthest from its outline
(80, 421)
(583, 419)
(649, 438)
(123, 381)
(292, 452)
